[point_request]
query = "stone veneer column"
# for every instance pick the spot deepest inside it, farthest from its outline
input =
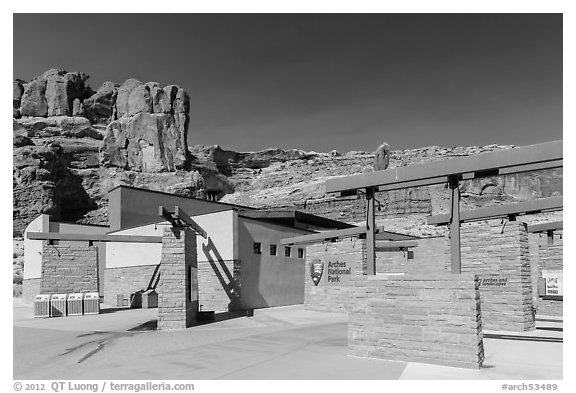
(498, 253)
(178, 285)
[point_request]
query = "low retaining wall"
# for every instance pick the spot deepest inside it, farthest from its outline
(417, 318)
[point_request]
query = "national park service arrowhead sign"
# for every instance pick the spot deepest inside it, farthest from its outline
(316, 270)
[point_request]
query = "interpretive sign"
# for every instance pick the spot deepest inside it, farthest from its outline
(554, 282)
(493, 281)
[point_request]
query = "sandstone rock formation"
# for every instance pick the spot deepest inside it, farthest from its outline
(99, 107)
(52, 94)
(77, 127)
(145, 127)
(150, 132)
(382, 157)
(43, 183)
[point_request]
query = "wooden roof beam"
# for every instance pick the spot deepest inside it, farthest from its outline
(521, 159)
(492, 212)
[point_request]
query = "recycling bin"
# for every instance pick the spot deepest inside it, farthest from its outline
(92, 303)
(136, 299)
(150, 299)
(76, 304)
(58, 305)
(42, 306)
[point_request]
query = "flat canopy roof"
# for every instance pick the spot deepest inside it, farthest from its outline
(521, 159)
(291, 217)
(486, 213)
(93, 237)
(549, 226)
(342, 233)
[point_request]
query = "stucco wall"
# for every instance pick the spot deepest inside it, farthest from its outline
(129, 207)
(33, 248)
(267, 280)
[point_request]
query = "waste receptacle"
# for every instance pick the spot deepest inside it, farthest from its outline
(58, 305)
(92, 303)
(42, 306)
(76, 304)
(150, 299)
(136, 299)
(122, 300)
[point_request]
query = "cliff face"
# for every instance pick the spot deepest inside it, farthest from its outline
(72, 144)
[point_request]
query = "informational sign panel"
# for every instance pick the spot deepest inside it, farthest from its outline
(554, 282)
(338, 272)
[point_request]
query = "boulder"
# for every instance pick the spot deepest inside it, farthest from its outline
(145, 142)
(133, 98)
(33, 102)
(99, 107)
(21, 140)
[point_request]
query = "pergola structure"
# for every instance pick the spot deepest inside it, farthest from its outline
(548, 227)
(450, 171)
(177, 218)
(510, 211)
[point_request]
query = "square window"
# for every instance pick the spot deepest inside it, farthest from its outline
(287, 252)
(300, 253)
(257, 248)
(272, 249)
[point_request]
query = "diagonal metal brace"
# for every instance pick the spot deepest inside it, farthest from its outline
(179, 219)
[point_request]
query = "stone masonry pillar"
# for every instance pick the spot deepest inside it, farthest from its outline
(178, 285)
(497, 251)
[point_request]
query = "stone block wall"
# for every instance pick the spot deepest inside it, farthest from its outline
(178, 285)
(333, 296)
(69, 269)
(431, 256)
(498, 253)
(219, 285)
(129, 279)
(432, 318)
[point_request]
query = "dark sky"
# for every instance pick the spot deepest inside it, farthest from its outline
(324, 81)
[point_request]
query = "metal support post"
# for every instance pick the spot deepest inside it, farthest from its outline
(455, 257)
(370, 232)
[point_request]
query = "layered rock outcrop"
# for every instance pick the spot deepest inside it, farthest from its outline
(133, 133)
(43, 183)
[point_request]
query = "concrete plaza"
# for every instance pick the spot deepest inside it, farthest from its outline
(276, 343)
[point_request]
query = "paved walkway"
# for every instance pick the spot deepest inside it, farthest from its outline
(279, 343)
